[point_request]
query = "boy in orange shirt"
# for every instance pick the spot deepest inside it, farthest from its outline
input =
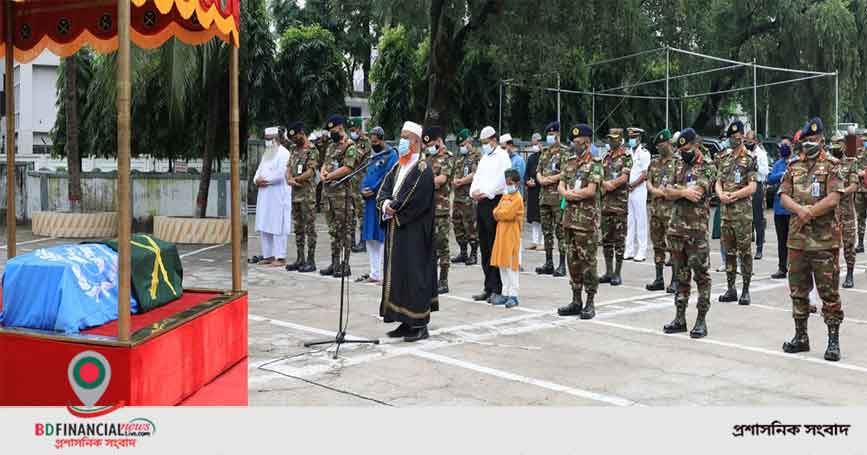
(509, 214)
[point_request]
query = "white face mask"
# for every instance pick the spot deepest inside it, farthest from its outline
(463, 150)
(511, 189)
(551, 139)
(487, 149)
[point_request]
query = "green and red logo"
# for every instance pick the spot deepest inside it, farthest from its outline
(89, 375)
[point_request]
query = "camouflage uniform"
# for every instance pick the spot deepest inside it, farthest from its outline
(688, 240)
(737, 170)
(615, 205)
(463, 211)
(304, 159)
(549, 204)
(846, 211)
(442, 165)
(660, 173)
(581, 222)
(321, 150)
(363, 148)
(861, 200)
(338, 216)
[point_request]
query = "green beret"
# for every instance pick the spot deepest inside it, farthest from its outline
(354, 122)
(663, 136)
(463, 135)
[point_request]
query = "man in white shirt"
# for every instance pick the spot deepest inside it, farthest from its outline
(488, 185)
(273, 201)
(636, 224)
(755, 147)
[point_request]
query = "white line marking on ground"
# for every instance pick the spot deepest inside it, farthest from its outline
(768, 307)
(587, 394)
(3, 247)
(202, 250)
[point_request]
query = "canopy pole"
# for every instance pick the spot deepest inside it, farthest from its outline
(593, 119)
(558, 97)
(667, 81)
(10, 133)
(837, 99)
(500, 121)
(124, 222)
(235, 156)
(755, 98)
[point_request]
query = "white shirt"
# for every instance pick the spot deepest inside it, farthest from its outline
(274, 201)
(490, 176)
(761, 163)
(640, 163)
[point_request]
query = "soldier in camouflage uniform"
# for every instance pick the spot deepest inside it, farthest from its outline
(617, 165)
(735, 187)
(846, 207)
(690, 191)
(321, 142)
(301, 172)
(341, 157)
(659, 175)
(464, 209)
(441, 162)
(363, 148)
(811, 190)
(548, 176)
(580, 185)
(861, 196)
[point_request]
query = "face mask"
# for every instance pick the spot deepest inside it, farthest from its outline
(377, 147)
(551, 139)
(751, 147)
(463, 150)
(811, 149)
(487, 149)
(735, 142)
(725, 144)
(431, 150)
(299, 141)
(335, 136)
(687, 155)
(511, 189)
(633, 143)
(403, 147)
(354, 136)
(837, 152)
(607, 148)
(785, 150)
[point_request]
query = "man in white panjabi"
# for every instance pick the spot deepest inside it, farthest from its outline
(274, 201)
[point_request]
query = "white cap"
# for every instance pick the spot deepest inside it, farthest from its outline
(271, 132)
(314, 136)
(675, 137)
(536, 137)
(505, 138)
(487, 132)
(413, 128)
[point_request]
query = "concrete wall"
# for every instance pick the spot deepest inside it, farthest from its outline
(21, 170)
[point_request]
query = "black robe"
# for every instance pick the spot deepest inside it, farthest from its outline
(409, 288)
(533, 215)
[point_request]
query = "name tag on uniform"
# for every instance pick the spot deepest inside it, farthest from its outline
(335, 165)
(689, 181)
(466, 171)
(553, 165)
(578, 184)
(737, 176)
(300, 169)
(816, 190)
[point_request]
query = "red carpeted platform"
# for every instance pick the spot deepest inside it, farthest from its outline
(175, 352)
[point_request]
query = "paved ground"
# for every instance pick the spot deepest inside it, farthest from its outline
(484, 355)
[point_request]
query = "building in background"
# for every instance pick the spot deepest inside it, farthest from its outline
(35, 90)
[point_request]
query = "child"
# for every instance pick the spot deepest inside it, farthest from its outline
(509, 214)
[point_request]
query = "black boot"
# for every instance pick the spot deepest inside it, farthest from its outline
(574, 308)
(658, 284)
(298, 262)
(699, 330)
(548, 267)
(443, 285)
(417, 335)
(672, 286)
(800, 342)
(832, 354)
(356, 247)
(342, 270)
(482, 297)
(608, 270)
(758, 255)
(860, 248)
(616, 280)
(310, 264)
(849, 282)
(589, 311)
(678, 325)
(462, 256)
(401, 331)
(745, 292)
(473, 259)
(731, 294)
(329, 271)
(561, 269)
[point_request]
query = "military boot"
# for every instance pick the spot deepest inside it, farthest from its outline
(672, 286)
(678, 325)
(589, 311)
(462, 256)
(616, 280)
(849, 282)
(731, 295)
(358, 247)
(473, 259)
(832, 354)
(608, 270)
(800, 342)
(548, 267)
(298, 262)
(860, 248)
(658, 284)
(561, 269)
(574, 308)
(699, 330)
(443, 285)
(342, 270)
(745, 292)
(310, 264)
(329, 271)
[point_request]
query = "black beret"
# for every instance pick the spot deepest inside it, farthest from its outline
(736, 127)
(431, 134)
(295, 128)
(814, 126)
(335, 120)
(553, 127)
(687, 136)
(580, 130)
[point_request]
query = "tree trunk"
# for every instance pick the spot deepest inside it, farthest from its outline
(710, 106)
(211, 127)
(73, 157)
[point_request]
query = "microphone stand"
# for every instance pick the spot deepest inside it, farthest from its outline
(340, 337)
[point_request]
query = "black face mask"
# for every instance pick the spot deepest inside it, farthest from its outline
(336, 136)
(377, 147)
(298, 140)
(687, 155)
(751, 147)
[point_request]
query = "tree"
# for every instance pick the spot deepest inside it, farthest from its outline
(392, 101)
(74, 77)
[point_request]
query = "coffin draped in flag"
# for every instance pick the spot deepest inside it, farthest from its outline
(157, 273)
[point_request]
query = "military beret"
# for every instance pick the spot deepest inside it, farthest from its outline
(581, 130)
(463, 135)
(553, 127)
(736, 127)
(615, 133)
(335, 120)
(431, 134)
(295, 128)
(813, 127)
(378, 132)
(687, 136)
(662, 136)
(354, 122)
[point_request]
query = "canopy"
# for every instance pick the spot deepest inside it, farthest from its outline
(64, 26)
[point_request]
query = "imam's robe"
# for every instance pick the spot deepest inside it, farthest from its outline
(409, 289)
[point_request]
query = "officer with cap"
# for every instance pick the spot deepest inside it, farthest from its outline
(440, 161)
(735, 187)
(811, 190)
(464, 208)
(846, 207)
(301, 176)
(548, 176)
(617, 165)
(660, 174)
(580, 185)
(341, 158)
(363, 147)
